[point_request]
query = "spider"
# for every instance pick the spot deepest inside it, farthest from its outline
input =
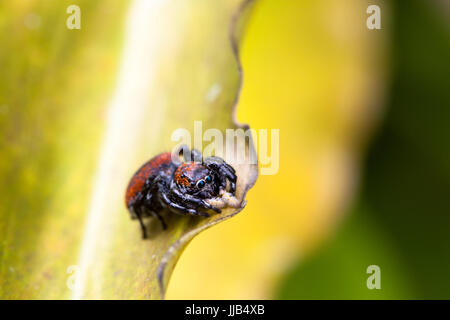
(188, 188)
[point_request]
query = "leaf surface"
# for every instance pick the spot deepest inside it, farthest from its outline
(66, 231)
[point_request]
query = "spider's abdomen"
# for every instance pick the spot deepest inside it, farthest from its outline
(150, 169)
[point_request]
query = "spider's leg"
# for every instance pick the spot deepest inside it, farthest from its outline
(196, 155)
(191, 199)
(160, 218)
(163, 190)
(187, 154)
(183, 151)
(229, 172)
(180, 208)
(223, 169)
(148, 200)
(220, 164)
(138, 212)
(221, 180)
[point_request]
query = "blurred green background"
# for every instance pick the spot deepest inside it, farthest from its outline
(364, 148)
(401, 217)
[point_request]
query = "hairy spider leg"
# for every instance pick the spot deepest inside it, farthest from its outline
(175, 206)
(225, 170)
(148, 200)
(191, 199)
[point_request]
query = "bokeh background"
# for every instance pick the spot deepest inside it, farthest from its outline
(364, 150)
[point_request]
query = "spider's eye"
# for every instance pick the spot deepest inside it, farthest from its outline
(208, 179)
(201, 184)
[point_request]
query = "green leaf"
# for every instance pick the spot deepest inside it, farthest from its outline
(339, 269)
(54, 90)
(177, 66)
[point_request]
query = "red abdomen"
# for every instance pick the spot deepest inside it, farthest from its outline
(150, 169)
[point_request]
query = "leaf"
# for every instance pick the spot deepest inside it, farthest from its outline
(177, 66)
(114, 261)
(53, 94)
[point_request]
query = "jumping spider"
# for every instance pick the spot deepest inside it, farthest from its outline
(191, 187)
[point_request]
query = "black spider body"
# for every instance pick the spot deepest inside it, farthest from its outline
(180, 187)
